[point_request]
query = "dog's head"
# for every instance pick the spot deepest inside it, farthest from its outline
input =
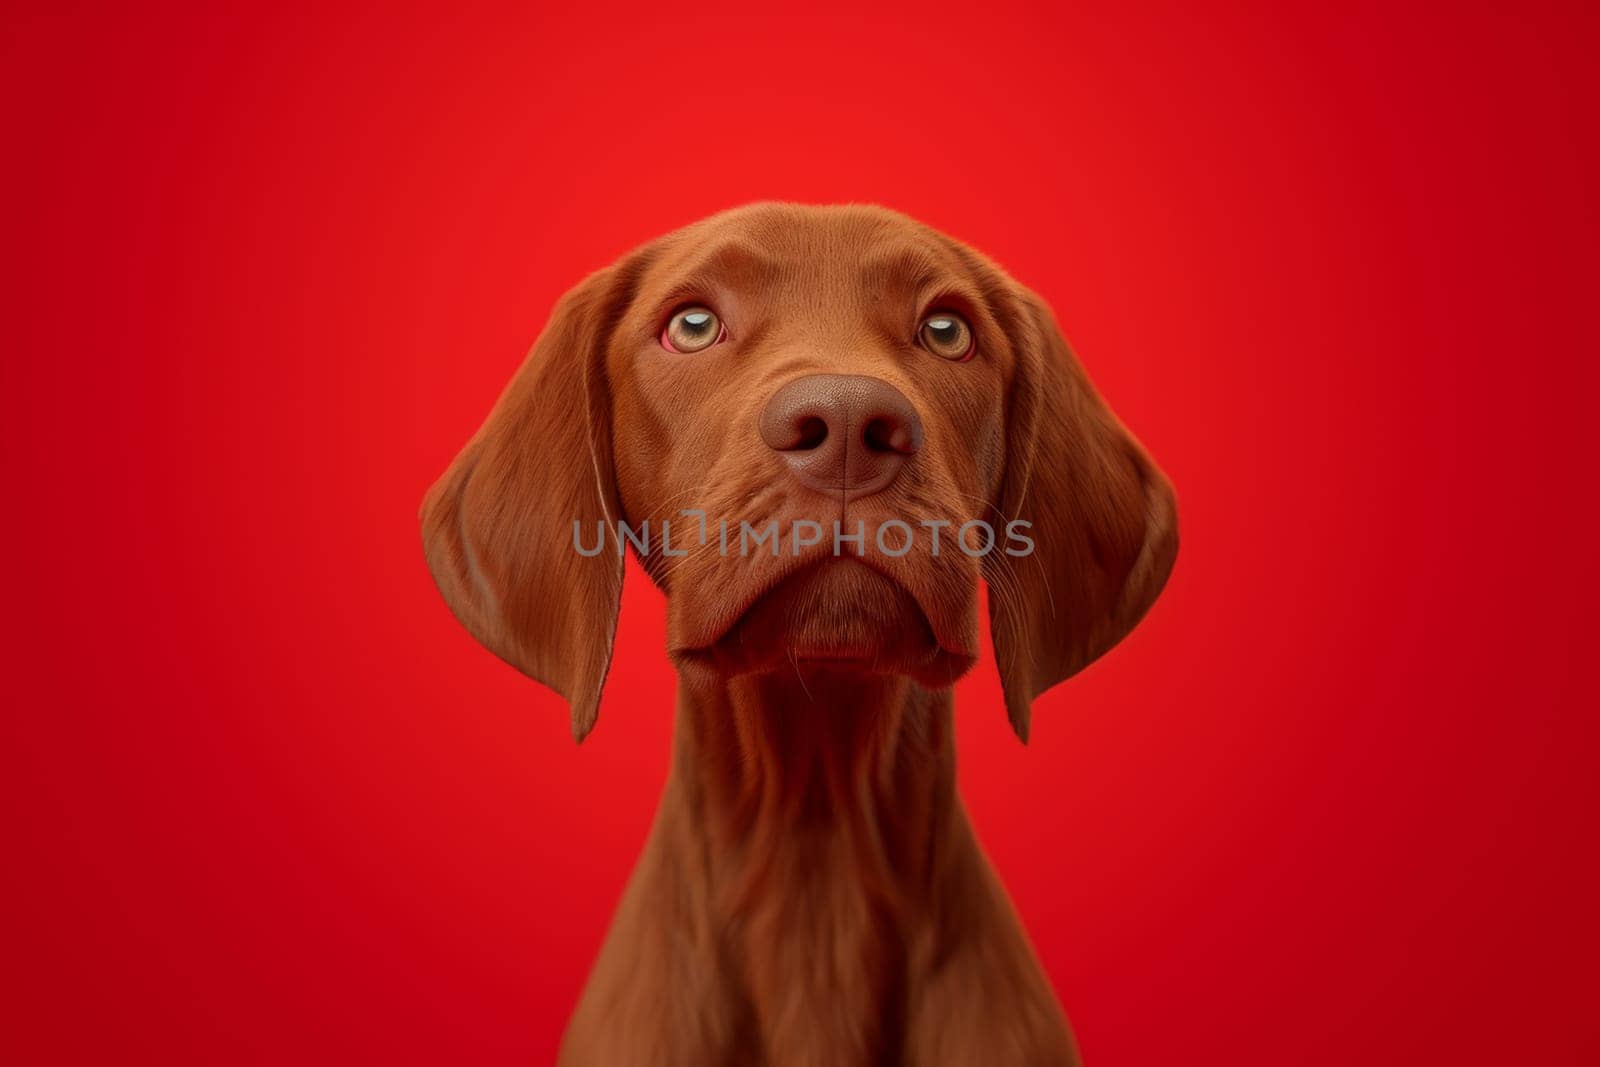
(818, 427)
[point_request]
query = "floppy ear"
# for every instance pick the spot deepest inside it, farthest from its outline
(497, 528)
(1104, 522)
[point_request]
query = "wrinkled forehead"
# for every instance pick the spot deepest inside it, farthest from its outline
(805, 257)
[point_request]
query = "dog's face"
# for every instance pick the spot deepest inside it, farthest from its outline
(847, 371)
(819, 429)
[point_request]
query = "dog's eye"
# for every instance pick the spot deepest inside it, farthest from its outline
(691, 330)
(946, 335)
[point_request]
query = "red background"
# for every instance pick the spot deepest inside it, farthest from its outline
(1333, 801)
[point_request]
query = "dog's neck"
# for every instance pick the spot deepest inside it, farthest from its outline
(821, 809)
(827, 767)
(812, 894)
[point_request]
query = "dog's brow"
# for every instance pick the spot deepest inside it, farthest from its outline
(732, 259)
(913, 269)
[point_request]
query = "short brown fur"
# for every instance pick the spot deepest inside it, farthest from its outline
(812, 892)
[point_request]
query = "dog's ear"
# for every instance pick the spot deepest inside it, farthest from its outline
(1103, 521)
(497, 528)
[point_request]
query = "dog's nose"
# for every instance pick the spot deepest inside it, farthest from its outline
(842, 433)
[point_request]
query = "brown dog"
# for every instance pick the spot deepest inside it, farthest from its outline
(812, 892)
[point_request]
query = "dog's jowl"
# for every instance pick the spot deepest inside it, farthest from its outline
(819, 429)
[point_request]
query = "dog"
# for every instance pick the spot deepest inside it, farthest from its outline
(812, 891)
